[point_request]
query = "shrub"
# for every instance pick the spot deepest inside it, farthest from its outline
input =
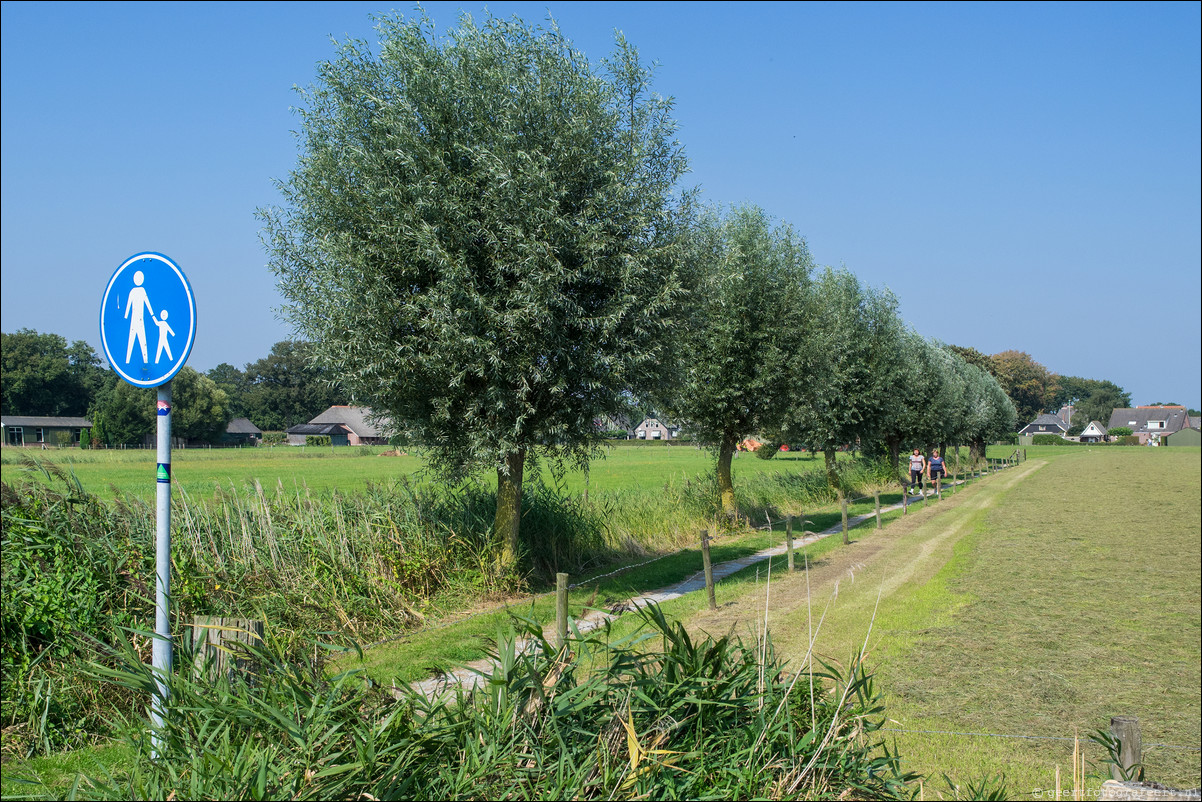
(317, 440)
(767, 450)
(1120, 431)
(1049, 440)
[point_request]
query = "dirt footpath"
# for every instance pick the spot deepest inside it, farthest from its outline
(845, 583)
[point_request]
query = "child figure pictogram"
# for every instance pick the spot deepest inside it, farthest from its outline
(164, 330)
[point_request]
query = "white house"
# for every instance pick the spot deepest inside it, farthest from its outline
(654, 429)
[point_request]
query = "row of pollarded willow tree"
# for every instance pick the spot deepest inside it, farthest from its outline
(771, 345)
(485, 238)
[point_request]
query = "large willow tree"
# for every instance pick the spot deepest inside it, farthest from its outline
(479, 238)
(748, 307)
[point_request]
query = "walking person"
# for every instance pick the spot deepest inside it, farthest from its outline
(135, 306)
(918, 466)
(936, 471)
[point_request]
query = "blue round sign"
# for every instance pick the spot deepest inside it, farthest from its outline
(148, 320)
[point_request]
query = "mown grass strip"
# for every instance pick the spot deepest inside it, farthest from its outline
(1069, 597)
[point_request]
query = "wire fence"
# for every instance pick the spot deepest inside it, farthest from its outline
(1024, 737)
(992, 466)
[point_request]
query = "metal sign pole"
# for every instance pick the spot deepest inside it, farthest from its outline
(162, 599)
(148, 312)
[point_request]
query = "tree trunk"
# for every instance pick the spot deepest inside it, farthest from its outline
(832, 470)
(894, 443)
(726, 487)
(509, 510)
(976, 451)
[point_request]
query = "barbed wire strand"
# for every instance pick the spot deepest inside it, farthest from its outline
(1026, 737)
(859, 519)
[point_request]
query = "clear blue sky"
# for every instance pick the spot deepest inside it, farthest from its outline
(1022, 176)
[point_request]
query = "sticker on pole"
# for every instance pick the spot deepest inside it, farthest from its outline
(148, 320)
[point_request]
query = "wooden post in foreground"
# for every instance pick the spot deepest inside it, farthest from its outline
(709, 569)
(1126, 730)
(876, 498)
(843, 508)
(561, 610)
(223, 640)
(789, 540)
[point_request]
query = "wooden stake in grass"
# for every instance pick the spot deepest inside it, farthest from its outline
(789, 540)
(843, 508)
(1126, 730)
(876, 498)
(561, 610)
(709, 569)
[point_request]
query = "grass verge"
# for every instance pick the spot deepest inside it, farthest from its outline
(1037, 605)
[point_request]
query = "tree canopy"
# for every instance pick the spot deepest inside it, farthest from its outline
(846, 367)
(125, 415)
(1031, 386)
(40, 374)
(736, 352)
(479, 237)
(1094, 399)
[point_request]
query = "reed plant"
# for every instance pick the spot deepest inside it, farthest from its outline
(343, 567)
(657, 714)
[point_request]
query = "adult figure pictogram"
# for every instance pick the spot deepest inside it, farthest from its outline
(137, 301)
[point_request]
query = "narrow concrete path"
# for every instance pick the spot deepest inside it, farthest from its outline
(468, 675)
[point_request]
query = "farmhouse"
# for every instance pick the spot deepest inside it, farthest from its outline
(1150, 423)
(654, 429)
(26, 430)
(361, 426)
(1046, 423)
(242, 431)
(299, 434)
(1094, 433)
(615, 423)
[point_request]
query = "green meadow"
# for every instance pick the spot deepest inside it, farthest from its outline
(1036, 603)
(199, 472)
(1016, 615)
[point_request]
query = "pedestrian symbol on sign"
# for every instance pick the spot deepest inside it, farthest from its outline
(144, 283)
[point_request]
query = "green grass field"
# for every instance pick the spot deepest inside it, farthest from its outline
(1025, 563)
(1034, 606)
(197, 472)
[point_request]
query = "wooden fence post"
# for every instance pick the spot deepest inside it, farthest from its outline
(224, 642)
(709, 569)
(1126, 730)
(905, 499)
(789, 540)
(561, 610)
(843, 508)
(876, 497)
